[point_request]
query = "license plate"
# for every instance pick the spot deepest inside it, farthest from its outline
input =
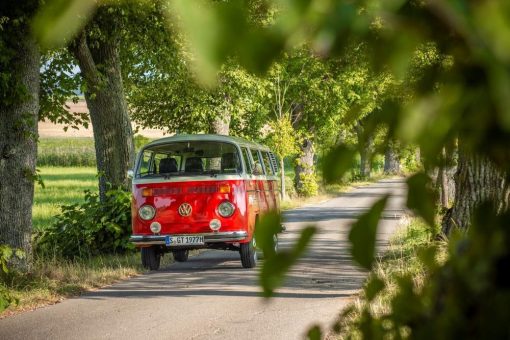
(184, 240)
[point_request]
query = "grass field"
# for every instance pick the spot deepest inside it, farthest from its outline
(66, 152)
(63, 185)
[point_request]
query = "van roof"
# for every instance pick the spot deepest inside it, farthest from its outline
(207, 137)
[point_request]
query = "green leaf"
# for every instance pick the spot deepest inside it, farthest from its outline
(337, 162)
(275, 267)
(363, 234)
(268, 226)
(427, 256)
(421, 197)
(314, 333)
(226, 29)
(373, 287)
(20, 254)
(58, 21)
(259, 49)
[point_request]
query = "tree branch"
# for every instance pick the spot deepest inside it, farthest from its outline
(80, 50)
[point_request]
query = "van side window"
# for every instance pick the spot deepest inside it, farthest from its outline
(267, 163)
(274, 162)
(247, 160)
(257, 168)
(145, 163)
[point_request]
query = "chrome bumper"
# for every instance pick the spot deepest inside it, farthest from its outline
(217, 237)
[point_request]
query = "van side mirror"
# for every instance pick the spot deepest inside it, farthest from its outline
(130, 173)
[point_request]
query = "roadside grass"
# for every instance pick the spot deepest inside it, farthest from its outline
(51, 279)
(400, 259)
(62, 186)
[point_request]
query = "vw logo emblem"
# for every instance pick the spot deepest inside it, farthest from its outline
(185, 209)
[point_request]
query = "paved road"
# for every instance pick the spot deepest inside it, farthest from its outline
(212, 297)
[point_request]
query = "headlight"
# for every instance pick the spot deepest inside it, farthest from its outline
(146, 212)
(226, 209)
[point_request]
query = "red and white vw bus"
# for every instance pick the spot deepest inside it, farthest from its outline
(201, 191)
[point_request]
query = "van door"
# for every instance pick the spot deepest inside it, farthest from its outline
(270, 181)
(259, 176)
(252, 194)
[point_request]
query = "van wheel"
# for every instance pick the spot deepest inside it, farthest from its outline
(151, 258)
(248, 254)
(181, 255)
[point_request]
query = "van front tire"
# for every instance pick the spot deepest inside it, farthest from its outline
(248, 253)
(151, 258)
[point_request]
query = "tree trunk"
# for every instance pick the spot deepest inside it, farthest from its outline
(477, 180)
(365, 147)
(391, 160)
(417, 156)
(444, 180)
(220, 125)
(18, 139)
(283, 193)
(113, 135)
(304, 164)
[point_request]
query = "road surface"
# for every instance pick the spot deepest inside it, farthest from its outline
(212, 297)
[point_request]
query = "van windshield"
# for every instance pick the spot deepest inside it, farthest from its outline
(188, 159)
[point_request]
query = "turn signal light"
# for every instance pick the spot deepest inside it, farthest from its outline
(146, 192)
(224, 189)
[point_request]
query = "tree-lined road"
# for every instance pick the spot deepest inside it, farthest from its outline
(212, 297)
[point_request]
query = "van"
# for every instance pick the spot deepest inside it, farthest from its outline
(201, 191)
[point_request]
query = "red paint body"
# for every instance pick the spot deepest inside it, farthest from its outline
(204, 198)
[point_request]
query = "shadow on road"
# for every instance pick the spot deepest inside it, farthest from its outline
(325, 214)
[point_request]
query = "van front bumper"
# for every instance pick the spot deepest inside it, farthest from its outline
(215, 237)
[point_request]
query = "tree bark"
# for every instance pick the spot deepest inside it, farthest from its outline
(113, 135)
(365, 147)
(444, 180)
(417, 156)
(391, 160)
(220, 125)
(304, 164)
(477, 180)
(18, 139)
(283, 192)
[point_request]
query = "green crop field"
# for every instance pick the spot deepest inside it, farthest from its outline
(66, 152)
(63, 185)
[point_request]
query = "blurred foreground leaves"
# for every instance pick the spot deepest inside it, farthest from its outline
(277, 264)
(464, 297)
(58, 21)
(421, 197)
(363, 234)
